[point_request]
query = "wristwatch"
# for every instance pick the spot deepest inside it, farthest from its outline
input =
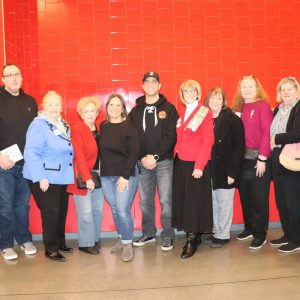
(156, 157)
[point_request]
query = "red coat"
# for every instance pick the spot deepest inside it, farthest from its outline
(86, 152)
(195, 144)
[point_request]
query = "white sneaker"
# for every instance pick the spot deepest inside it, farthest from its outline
(28, 248)
(9, 254)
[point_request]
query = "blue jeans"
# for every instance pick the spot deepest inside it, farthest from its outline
(161, 177)
(14, 207)
(89, 216)
(120, 204)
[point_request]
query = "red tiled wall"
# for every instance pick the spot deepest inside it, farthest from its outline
(81, 47)
(1, 38)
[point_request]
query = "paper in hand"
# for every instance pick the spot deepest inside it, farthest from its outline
(13, 152)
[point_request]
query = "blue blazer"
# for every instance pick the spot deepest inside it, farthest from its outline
(48, 153)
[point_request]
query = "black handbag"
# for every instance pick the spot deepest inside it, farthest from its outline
(95, 177)
(251, 153)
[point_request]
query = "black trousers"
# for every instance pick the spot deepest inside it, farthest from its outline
(279, 190)
(287, 196)
(254, 194)
(53, 205)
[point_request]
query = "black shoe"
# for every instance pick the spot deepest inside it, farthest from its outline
(245, 235)
(56, 256)
(218, 243)
(208, 240)
(143, 240)
(98, 245)
(90, 250)
(289, 247)
(167, 244)
(279, 242)
(65, 248)
(257, 243)
(191, 245)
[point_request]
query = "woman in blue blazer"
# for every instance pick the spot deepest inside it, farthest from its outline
(48, 167)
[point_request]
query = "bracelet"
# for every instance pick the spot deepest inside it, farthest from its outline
(262, 160)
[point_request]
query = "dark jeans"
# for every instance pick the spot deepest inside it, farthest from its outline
(161, 177)
(53, 205)
(14, 207)
(254, 195)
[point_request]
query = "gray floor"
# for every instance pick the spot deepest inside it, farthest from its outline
(233, 272)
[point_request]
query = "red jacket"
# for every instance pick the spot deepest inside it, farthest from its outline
(195, 144)
(86, 152)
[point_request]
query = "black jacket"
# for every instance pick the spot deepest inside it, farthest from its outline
(228, 150)
(16, 113)
(157, 130)
(291, 136)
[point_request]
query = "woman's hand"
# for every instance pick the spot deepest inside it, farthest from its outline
(272, 144)
(230, 180)
(260, 168)
(5, 162)
(44, 184)
(122, 184)
(90, 184)
(197, 173)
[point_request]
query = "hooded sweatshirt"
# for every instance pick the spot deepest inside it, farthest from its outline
(156, 125)
(16, 113)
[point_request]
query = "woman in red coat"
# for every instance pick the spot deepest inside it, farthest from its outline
(192, 200)
(89, 201)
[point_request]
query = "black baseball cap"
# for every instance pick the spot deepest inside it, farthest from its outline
(151, 74)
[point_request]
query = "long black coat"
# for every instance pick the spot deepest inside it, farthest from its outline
(228, 150)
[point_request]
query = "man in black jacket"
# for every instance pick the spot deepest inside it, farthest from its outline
(155, 118)
(16, 113)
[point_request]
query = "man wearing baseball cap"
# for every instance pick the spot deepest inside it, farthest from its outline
(155, 118)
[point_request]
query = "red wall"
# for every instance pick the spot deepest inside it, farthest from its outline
(81, 47)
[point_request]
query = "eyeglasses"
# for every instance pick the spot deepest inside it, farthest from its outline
(16, 75)
(187, 91)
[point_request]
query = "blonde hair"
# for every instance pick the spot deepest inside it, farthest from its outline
(239, 101)
(293, 81)
(190, 83)
(51, 94)
(84, 101)
(216, 91)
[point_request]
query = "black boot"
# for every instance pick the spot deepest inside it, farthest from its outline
(192, 240)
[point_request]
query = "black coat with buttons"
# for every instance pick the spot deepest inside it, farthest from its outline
(228, 150)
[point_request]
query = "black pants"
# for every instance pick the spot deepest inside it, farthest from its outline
(279, 190)
(287, 196)
(53, 205)
(254, 195)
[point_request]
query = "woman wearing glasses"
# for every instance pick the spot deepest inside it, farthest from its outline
(192, 199)
(257, 116)
(285, 129)
(48, 167)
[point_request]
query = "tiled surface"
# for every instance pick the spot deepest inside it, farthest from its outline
(1, 38)
(230, 273)
(81, 47)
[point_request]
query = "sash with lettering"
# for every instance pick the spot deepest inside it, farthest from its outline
(198, 118)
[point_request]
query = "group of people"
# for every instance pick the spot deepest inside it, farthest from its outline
(195, 159)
